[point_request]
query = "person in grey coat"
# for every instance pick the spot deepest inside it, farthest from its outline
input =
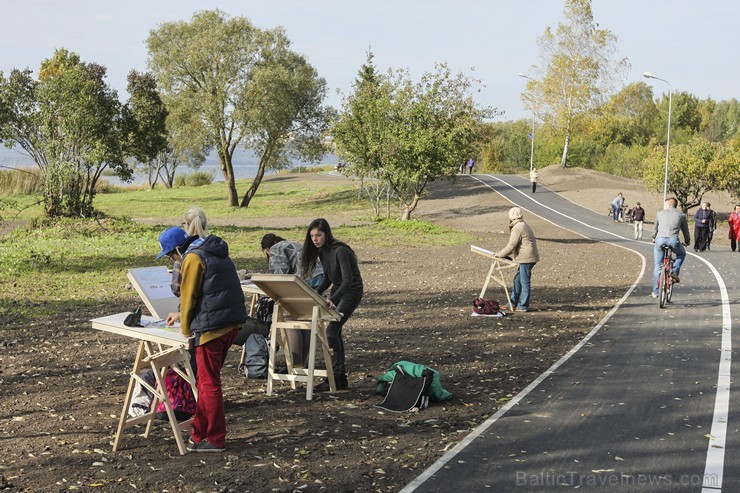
(522, 247)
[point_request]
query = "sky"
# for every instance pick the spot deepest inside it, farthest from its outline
(688, 43)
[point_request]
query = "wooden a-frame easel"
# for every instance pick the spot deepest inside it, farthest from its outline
(297, 306)
(495, 273)
(160, 349)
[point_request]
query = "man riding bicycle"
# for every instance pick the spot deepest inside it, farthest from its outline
(668, 223)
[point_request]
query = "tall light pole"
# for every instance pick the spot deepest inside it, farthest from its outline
(649, 75)
(531, 151)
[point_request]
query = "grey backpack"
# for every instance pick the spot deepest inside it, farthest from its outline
(257, 356)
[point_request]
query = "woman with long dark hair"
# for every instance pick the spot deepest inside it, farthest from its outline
(342, 273)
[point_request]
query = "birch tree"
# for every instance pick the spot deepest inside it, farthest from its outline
(577, 72)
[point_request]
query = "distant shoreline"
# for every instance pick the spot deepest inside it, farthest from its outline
(245, 165)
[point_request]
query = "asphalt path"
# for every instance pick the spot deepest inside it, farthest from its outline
(642, 403)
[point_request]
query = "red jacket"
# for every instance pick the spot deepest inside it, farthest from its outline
(734, 222)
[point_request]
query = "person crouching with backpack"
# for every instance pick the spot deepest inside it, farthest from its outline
(212, 310)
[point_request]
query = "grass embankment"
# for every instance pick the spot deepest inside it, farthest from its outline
(48, 267)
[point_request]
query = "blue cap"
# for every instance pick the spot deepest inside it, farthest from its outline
(170, 239)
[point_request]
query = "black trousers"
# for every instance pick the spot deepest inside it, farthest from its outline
(346, 307)
(702, 235)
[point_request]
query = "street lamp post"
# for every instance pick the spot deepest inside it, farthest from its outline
(531, 151)
(649, 75)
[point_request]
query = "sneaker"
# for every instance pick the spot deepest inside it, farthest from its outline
(654, 294)
(675, 277)
(339, 380)
(191, 446)
(522, 309)
(322, 387)
(204, 446)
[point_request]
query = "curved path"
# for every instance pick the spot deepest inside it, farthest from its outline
(642, 403)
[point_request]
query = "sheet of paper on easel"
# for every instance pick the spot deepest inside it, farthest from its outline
(153, 286)
(480, 250)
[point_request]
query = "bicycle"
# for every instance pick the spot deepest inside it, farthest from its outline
(665, 281)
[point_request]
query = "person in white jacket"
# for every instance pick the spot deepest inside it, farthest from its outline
(533, 175)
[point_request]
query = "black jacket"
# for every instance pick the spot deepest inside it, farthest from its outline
(341, 272)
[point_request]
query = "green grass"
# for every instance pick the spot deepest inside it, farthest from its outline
(82, 262)
(276, 197)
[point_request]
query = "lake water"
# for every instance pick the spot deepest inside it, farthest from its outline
(245, 164)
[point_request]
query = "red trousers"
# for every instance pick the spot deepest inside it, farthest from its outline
(210, 418)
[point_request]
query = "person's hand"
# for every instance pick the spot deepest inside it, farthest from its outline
(330, 304)
(686, 243)
(172, 318)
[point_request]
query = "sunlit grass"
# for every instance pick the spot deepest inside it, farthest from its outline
(81, 262)
(280, 196)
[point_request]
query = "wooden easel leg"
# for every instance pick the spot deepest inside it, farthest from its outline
(276, 317)
(319, 329)
(504, 284)
(284, 342)
(156, 399)
(488, 280)
(160, 374)
(311, 359)
(138, 364)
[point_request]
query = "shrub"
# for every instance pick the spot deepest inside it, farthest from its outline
(20, 182)
(195, 179)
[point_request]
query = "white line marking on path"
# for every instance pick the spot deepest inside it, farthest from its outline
(716, 449)
(715, 464)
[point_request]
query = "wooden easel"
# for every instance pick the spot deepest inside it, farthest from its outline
(495, 273)
(160, 348)
(297, 306)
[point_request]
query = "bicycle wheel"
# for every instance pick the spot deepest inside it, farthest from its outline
(669, 290)
(662, 288)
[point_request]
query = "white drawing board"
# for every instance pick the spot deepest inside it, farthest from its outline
(294, 295)
(153, 332)
(482, 251)
(153, 286)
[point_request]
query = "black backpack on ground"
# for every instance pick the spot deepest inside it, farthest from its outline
(407, 392)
